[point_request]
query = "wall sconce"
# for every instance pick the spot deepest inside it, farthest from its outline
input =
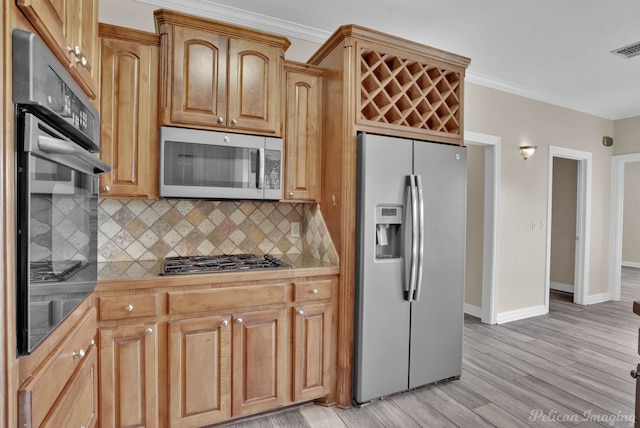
(527, 151)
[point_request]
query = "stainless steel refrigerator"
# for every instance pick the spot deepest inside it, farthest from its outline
(410, 262)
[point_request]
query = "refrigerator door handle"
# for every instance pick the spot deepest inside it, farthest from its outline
(420, 243)
(412, 267)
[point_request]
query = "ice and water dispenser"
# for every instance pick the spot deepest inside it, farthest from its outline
(388, 231)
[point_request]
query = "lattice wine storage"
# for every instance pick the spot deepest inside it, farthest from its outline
(409, 93)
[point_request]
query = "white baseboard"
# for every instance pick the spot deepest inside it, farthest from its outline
(519, 314)
(474, 311)
(598, 298)
(631, 264)
(561, 287)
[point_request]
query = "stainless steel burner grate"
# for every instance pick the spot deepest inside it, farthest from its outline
(220, 263)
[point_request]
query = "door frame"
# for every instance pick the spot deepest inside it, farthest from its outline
(583, 222)
(618, 163)
(492, 144)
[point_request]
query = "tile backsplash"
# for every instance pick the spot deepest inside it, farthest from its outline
(154, 229)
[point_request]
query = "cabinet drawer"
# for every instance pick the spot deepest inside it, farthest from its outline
(40, 392)
(313, 290)
(130, 306)
(185, 302)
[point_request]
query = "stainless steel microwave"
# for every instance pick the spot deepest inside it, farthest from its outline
(218, 165)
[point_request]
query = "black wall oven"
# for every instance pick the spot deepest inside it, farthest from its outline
(57, 129)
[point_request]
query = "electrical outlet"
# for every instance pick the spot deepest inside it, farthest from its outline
(295, 229)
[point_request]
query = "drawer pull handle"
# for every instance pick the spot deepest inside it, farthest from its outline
(239, 321)
(80, 354)
(128, 308)
(149, 330)
(225, 323)
(314, 291)
(300, 312)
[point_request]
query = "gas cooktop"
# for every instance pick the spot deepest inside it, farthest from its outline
(220, 263)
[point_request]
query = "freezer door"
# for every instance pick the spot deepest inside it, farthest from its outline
(437, 317)
(381, 352)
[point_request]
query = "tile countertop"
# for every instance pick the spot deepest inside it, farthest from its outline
(145, 271)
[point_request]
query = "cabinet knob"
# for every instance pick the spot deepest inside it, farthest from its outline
(238, 320)
(106, 189)
(300, 312)
(75, 50)
(149, 330)
(80, 354)
(82, 61)
(225, 323)
(220, 119)
(234, 122)
(290, 193)
(634, 374)
(128, 308)
(314, 291)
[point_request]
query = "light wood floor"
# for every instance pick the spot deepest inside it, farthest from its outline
(568, 368)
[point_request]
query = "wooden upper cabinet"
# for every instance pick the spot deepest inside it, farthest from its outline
(255, 71)
(218, 76)
(128, 104)
(303, 132)
(70, 29)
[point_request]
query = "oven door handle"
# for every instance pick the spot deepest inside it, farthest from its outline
(56, 146)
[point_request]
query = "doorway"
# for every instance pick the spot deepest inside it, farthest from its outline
(491, 146)
(582, 221)
(617, 205)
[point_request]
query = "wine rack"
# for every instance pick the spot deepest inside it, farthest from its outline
(409, 93)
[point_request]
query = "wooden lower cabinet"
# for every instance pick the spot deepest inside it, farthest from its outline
(78, 404)
(259, 362)
(129, 376)
(311, 351)
(199, 371)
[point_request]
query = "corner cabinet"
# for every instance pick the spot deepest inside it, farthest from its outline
(70, 29)
(218, 76)
(128, 104)
(303, 131)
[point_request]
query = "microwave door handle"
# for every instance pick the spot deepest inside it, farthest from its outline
(56, 146)
(260, 168)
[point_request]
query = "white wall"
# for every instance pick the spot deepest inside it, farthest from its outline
(523, 198)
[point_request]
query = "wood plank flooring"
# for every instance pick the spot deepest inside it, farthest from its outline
(569, 368)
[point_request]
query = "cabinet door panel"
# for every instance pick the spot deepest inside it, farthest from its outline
(199, 77)
(258, 361)
(129, 72)
(254, 89)
(129, 376)
(83, 24)
(48, 17)
(199, 371)
(302, 135)
(312, 343)
(78, 404)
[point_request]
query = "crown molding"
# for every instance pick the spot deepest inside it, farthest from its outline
(522, 91)
(232, 15)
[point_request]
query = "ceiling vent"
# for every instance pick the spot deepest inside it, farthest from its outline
(628, 51)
